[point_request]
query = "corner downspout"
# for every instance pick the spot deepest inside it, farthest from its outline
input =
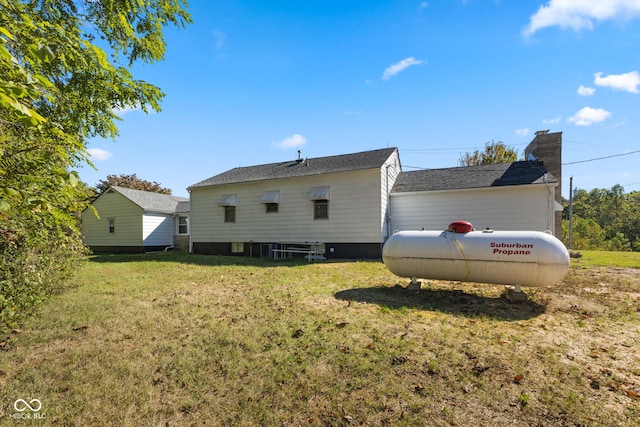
(388, 233)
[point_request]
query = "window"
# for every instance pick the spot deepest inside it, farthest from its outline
(271, 207)
(320, 198)
(111, 226)
(320, 209)
(229, 214)
(183, 225)
(271, 200)
(228, 202)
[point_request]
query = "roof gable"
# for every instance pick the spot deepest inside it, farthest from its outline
(495, 175)
(303, 167)
(150, 201)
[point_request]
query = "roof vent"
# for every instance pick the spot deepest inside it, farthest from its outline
(299, 159)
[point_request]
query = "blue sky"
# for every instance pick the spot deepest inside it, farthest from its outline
(252, 82)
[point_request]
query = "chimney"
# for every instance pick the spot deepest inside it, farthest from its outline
(547, 147)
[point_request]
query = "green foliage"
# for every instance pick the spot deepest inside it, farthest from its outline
(616, 214)
(131, 181)
(494, 152)
(58, 88)
(587, 234)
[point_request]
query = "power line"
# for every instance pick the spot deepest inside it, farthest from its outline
(601, 158)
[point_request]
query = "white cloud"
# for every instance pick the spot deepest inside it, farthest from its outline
(580, 14)
(98, 154)
(553, 121)
(523, 131)
(586, 91)
(352, 113)
(220, 39)
(628, 81)
(588, 116)
(124, 110)
(292, 141)
(400, 66)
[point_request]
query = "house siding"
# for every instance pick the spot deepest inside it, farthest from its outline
(157, 230)
(128, 224)
(505, 208)
(354, 211)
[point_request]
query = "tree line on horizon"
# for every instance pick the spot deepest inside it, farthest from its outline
(603, 219)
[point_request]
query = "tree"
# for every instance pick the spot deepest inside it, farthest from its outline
(615, 213)
(494, 152)
(58, 88)
(587, 234)
(131, 181)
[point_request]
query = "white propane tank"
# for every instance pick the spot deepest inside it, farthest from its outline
(520, 258)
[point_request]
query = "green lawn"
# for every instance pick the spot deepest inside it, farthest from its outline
(607, 259)
(178, 339)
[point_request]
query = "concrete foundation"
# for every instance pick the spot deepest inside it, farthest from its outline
(515, 294)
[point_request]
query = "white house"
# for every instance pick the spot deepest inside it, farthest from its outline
(135, 221)
(342, 206)
(505, 196)
(333, 206)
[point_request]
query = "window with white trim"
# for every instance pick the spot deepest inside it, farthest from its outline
(111, 226)
(183, 225)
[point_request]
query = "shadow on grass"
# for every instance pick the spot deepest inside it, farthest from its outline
(452, 301)
(195, 259)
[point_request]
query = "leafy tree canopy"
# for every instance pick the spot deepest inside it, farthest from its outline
(64, 71)
(494, 152)
(131, 181)
(613, 219)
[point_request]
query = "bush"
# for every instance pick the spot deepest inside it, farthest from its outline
(618, 243)
(30, 270)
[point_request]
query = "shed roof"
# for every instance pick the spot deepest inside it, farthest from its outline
(303, 167)
(495, 175)
(150, 201)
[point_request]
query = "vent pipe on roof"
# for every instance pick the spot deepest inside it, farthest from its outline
(299, 155)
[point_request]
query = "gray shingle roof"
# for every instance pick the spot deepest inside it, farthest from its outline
(312, 166)
(151, 202)
(502, 174)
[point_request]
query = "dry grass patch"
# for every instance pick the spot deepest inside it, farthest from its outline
(185, 340)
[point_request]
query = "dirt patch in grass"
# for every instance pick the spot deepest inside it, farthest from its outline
(211, 340)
